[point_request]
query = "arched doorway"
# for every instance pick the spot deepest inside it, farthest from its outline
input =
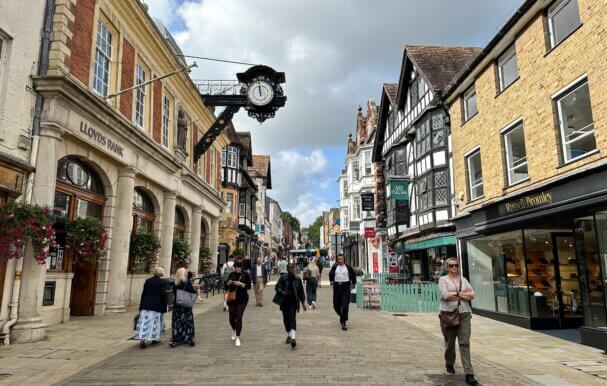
(204, 233)
(79, 192)
(143, 223)
(178, 232)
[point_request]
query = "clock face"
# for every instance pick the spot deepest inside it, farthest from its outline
(260, 93)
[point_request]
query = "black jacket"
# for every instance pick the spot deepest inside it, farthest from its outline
(153, 297)
(351, 274)
(242, 295)
(246, 264)
(264, 273)
(290, 288)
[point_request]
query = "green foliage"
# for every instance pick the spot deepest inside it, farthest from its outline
(313, 232)
(87, 237)
(143, 251)
(181, 253)
(288, 217)
(205, 261)
(240, 253)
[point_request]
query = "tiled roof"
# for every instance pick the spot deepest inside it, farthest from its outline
(260, 166)
(392, 92)
(440, 65)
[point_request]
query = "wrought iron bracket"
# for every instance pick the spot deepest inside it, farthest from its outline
(216, 128)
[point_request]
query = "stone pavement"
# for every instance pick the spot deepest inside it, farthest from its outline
(378, 348)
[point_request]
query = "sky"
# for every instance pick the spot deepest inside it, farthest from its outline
(336, 54)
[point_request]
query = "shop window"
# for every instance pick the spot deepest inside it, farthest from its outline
(469, 101)
(507, 68)
(48, 296)
(143, 212)
(496, 265)
(576, 122)
(563, 20)
(475, 175)
(516, 155)
(103, 60)
(140, 97)
(180, 225)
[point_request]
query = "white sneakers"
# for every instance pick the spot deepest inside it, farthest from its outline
(233, 334)
(238, 344)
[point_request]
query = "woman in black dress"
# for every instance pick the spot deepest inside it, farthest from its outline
(240, 282)
(183, 317)
(291, 293)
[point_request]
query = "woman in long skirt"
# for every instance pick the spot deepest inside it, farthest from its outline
(311, 276)
(152, 306)
(183, 317)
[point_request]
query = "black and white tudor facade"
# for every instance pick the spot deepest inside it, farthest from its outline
(413, 145)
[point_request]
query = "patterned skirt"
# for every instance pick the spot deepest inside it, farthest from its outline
(182, 325)
(150, 325)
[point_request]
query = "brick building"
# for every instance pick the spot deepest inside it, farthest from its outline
(529, 127)
(126, 159)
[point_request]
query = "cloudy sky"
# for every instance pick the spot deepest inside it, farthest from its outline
(335, 53)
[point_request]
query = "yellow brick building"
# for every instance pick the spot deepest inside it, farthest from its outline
(529, 134)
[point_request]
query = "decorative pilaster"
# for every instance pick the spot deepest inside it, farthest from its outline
(214, 240)
(168, 226)
(121, 236)
(195, 238)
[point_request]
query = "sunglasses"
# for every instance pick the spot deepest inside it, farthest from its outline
(453, 265)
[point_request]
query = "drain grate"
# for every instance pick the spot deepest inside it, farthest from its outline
(400, 315)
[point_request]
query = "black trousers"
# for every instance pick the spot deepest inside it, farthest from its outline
(289, 316)
(341, 300)
(235, 312)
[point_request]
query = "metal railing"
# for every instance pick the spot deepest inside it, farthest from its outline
(219, 87)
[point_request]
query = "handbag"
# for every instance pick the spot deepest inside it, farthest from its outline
(451, 318)
(231, 296)
(278, 297)
(185, 298)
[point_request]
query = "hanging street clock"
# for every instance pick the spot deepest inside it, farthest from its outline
(258, 90)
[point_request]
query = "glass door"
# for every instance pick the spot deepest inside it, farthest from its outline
(567, 281)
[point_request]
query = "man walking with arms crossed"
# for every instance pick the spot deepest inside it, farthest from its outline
(259, 278)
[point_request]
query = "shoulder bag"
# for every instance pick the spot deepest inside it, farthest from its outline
(231, 296)
(451, 318)
(185, 298)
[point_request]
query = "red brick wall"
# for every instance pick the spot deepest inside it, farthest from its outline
(194, 140)
(157, 114)
(127, 78)
(82, 40)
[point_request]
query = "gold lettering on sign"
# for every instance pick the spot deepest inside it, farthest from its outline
(527, 202)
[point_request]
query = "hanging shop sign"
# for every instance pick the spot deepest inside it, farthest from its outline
(398, 189)
(369, 233)
(354, 226)
(368, 201)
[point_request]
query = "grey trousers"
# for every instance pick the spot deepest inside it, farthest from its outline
(462, 333)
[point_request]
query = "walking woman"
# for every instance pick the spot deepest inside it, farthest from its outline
(456, 294)
(290, 293)
(312, 277)
(237, 285)
(152, 306)
(342, 278)
(183, 317)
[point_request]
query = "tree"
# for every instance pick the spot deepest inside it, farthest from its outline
(313, 232)
(292, 220)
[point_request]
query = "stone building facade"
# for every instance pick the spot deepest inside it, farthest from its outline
(529, 126)
(124, 158)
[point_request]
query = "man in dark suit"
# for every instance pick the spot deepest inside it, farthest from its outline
(342, 278)
(259, 278)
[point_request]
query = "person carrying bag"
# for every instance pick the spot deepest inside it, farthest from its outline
(183, 317)
(455, 318)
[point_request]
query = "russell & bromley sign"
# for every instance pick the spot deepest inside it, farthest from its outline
(527, 202)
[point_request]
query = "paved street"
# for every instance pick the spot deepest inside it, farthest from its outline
(375, 350)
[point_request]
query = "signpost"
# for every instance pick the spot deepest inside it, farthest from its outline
(398, 189)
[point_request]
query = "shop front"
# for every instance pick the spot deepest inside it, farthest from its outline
(422, 258)
(538, 260)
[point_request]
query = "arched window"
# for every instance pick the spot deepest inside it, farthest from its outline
(143, 212)
(179, 224)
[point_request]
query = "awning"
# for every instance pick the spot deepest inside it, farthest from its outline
(430, 243)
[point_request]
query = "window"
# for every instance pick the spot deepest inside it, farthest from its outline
(356, 208)
(563, 19)
(516, 155)
(232, 157)
(507, 68)
(140, 97)
(103, 60)
(576, 123)
(213, 156)
(166, 121)
(229, 202)
(422, 138)
(470, 103)
(345, 185)
(367, 162)
(400, 162)
(346, 218)
(355, 170)
(475, 175)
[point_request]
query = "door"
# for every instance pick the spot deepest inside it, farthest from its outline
(567, 281)
(82, 302)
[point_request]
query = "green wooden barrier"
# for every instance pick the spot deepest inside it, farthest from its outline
(409, 297)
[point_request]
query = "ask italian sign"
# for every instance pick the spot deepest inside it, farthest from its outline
(398, 189)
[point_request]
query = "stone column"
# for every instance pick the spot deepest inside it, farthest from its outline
(195, 238)
(30, 325)
(121, 236)
(168, 226)
(214, 241)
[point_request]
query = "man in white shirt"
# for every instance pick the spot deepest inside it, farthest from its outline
(259, 278)
(342, 278)
(282, 266)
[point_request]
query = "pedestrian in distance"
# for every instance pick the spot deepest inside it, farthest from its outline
(183, 317)
(268, 264)
(320, 263)
(259, 279)
(152, 307)
(455, 316)
(226, 270)
(246, 265)
(311, 275)
(342, 278)
(289, 295)
(282, 266)
(237, 286)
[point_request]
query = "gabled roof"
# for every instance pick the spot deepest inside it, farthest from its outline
(391, 90)
(438, 65)
(260, 167)
(389, 93)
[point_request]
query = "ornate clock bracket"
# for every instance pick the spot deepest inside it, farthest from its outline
(243, 94)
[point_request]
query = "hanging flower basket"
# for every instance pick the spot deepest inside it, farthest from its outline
(239, 253)
(21, 223)
(86, 237)
(205, 262)
(181, 253)
(143, 251)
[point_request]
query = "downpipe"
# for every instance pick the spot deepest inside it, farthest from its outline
(14, 305)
